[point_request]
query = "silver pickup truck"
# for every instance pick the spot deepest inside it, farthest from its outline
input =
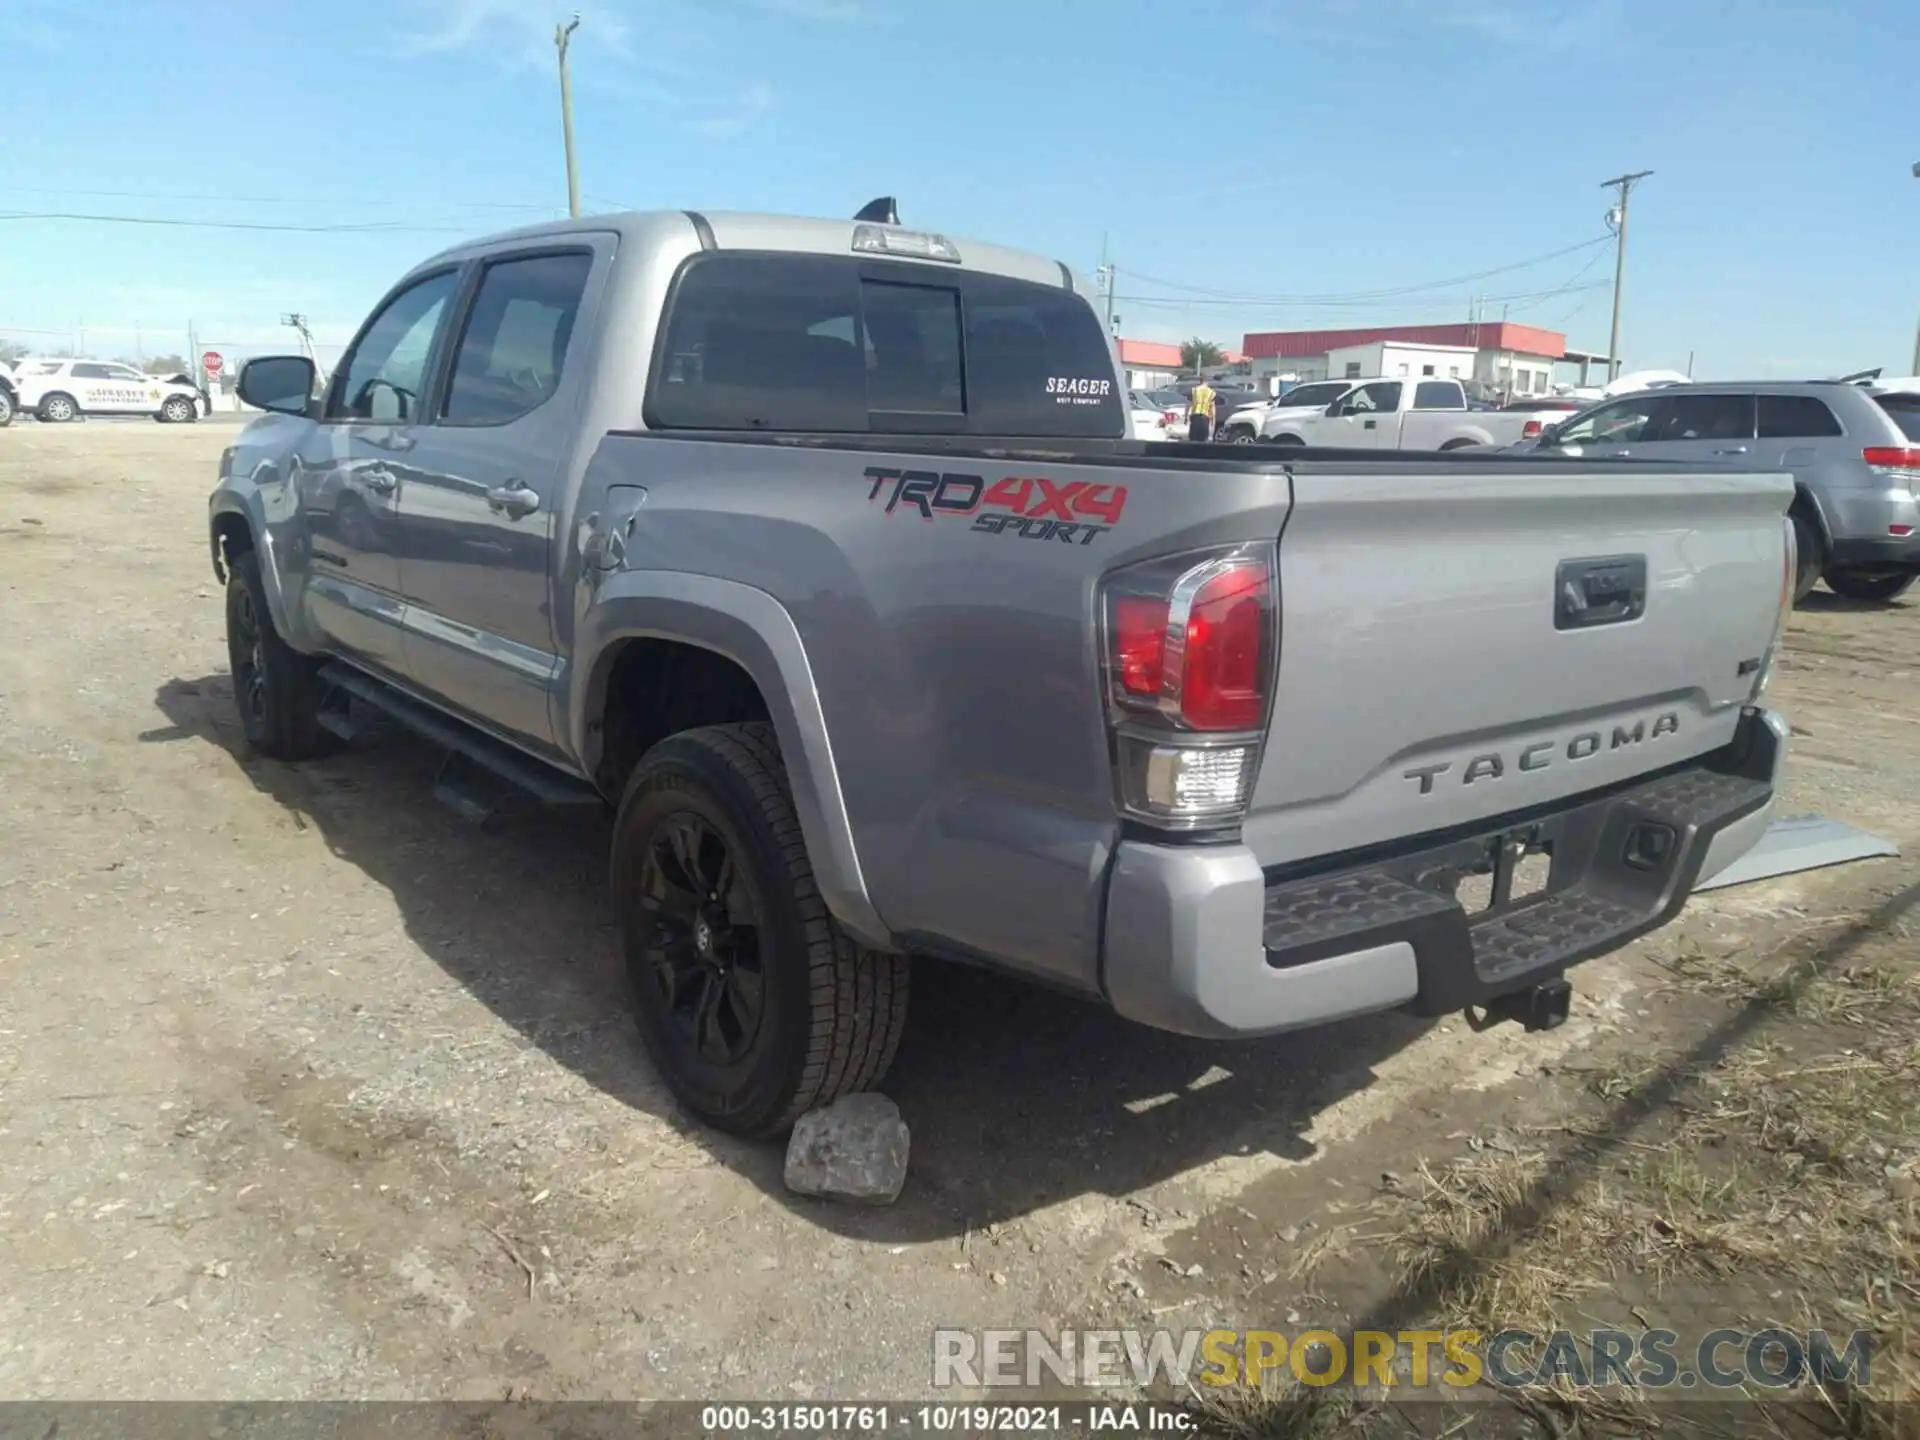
(817, 549)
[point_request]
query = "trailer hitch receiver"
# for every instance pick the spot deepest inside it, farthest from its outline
(1541, 1007)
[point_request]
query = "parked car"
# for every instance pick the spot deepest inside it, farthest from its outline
(1405, 415)
(61, 390)
(909, 648)
(1854, 455)
(1153, 422)
(9, 397)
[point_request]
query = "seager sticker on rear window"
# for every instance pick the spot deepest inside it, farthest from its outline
(1078, 390)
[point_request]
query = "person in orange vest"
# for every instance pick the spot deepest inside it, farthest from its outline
(1200, 413)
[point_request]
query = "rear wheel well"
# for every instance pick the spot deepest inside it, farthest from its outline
(656, 688)
(1807, 509)
(232, 537)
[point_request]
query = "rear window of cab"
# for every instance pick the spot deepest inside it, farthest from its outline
(845, 345)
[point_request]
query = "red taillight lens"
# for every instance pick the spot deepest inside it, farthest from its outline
(1140, 644)
(1190, 640)
(1893, 457)
(1170, 419)
(1223, 669)
(1530, 429)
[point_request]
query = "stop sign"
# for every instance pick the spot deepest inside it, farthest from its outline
(212, 362)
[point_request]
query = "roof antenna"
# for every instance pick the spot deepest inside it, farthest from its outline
(879, 212)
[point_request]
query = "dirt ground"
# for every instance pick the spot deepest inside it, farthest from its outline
(313, 1090)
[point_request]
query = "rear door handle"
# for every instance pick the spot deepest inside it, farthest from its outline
(513, 500)
(1618, 454)
(1370, 425)
(380, 480)
(1732, 450)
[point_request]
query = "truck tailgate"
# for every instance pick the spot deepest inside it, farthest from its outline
(1450, 652)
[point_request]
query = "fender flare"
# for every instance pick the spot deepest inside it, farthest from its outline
(246, 506)
(754, 630)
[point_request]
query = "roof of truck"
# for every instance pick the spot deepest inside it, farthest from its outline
(746, 230)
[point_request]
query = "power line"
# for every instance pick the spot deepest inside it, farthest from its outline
(1249, 297)
(259, 199)
(1166, 302)
(372, 228)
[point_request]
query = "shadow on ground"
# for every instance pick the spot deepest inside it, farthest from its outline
(1018, 1098)
(1826, 602)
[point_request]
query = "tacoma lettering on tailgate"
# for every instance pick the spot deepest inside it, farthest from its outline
(1542, 753)
(1029, 506)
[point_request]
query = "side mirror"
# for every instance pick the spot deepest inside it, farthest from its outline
(1336, 409)
(281, 383)
(1550, 434)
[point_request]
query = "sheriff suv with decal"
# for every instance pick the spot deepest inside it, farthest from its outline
(61, 390)
(819, 552)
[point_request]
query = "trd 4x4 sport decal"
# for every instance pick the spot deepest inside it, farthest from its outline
(1034, 508)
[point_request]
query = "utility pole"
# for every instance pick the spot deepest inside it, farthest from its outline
(1625, 184)
(1916, 336)
(561, 35)
(1106, 282)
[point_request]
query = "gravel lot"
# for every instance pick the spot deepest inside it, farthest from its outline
(314, 1090)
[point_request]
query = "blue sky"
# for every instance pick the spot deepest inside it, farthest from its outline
(1291, 149)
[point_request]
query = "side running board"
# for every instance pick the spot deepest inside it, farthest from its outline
(461, 742)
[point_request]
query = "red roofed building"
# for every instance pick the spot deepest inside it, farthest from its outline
(1500, 354)
(1149, 363)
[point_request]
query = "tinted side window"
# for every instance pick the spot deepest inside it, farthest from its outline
(91, 372)
(384, 375)
(1794, 417)
(1703, 417)
(762, 343)
(516, 338)
(1438, 395)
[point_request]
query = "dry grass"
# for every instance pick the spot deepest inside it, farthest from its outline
(1776, 1181)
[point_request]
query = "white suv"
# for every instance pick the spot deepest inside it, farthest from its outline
(62, 390)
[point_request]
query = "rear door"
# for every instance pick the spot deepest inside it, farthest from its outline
(481, 503)
(1439, 407)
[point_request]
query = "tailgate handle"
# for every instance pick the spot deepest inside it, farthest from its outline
(1608, 590)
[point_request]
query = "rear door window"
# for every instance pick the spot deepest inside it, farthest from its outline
(1438, 395)
(1795, 417)
(826, 344)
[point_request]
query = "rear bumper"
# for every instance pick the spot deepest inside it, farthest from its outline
(1887, 554)
(1200, 941)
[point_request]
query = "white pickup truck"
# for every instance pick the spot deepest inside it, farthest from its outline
(1404, 415)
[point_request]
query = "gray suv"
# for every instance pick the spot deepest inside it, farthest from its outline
(1854, 454)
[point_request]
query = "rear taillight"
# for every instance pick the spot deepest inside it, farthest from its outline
(1899, 463)
(1530, 430)
(1190, 659)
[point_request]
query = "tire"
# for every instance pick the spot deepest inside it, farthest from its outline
(1240, 435)
(178, 410)
(1457, 445)
(1861, 585)
(59, 408)
(1288, 440)
(6, 409)
(701, 806)
(276, 689)
(1809, 555)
